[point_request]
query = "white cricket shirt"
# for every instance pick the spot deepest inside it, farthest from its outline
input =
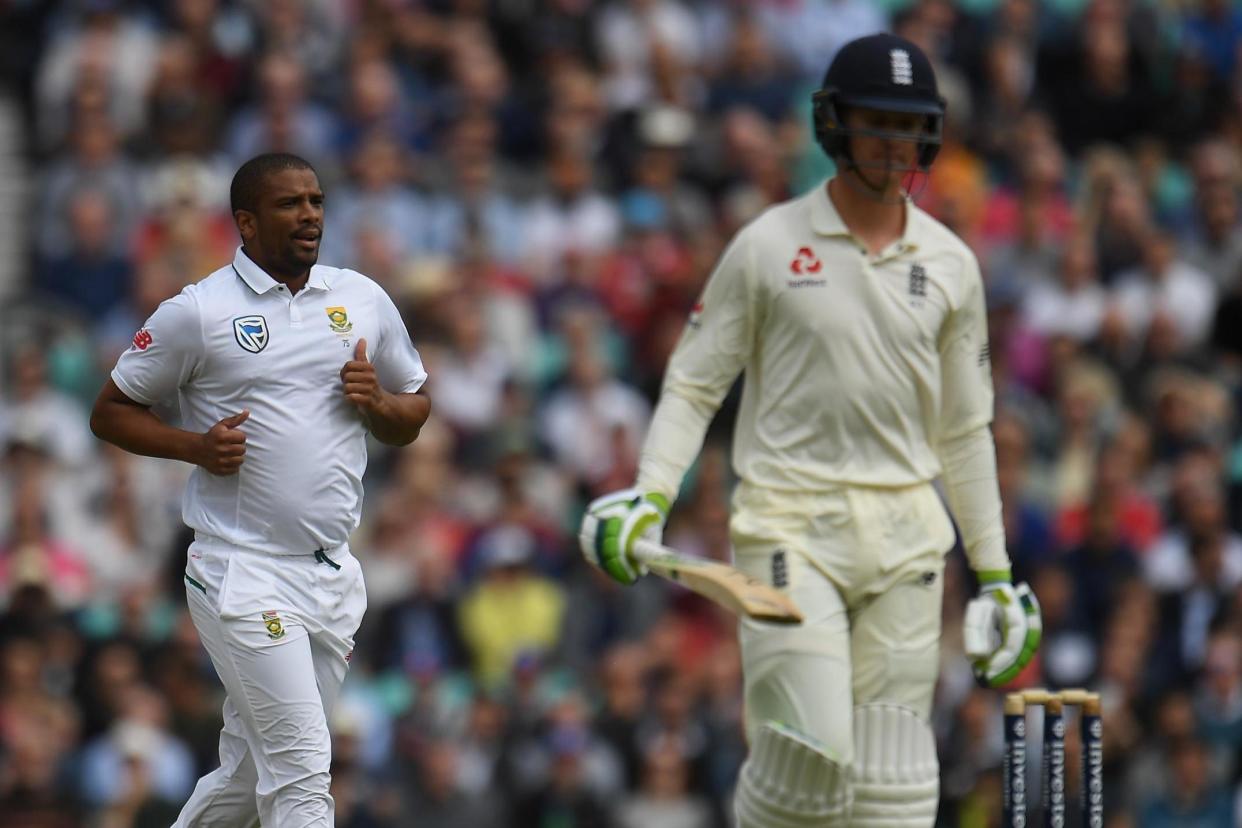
(856, 366)
(238, 340)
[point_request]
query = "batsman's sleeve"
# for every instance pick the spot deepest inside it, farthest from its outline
(714, 348)
(964, 443)
(398, 365)
(164, 354)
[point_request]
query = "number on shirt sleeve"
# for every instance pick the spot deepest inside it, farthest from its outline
(164, 353)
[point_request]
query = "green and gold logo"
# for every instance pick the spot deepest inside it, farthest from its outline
(271, 620)
(339, 320)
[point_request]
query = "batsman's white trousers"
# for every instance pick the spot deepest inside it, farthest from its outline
(280, 632)
(866, 566)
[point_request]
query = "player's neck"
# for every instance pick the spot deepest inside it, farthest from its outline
(293, 282)
(875, 220)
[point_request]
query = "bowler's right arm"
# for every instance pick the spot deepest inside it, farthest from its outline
(162, 357)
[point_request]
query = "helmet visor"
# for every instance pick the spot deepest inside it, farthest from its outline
(888, 104)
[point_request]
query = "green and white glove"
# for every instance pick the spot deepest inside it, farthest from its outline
(1002, 629)
(611, 525)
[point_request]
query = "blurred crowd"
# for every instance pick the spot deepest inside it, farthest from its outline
(543, 187)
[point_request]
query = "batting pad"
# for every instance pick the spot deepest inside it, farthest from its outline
(789, 781)
(896, 778)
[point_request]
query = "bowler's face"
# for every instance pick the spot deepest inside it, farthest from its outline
(289, 221)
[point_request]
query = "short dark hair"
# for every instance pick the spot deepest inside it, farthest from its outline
(248, 180)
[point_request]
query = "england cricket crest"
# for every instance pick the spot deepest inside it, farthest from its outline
(271, 620)
(918, 281)
(251, 333)
(338, 320)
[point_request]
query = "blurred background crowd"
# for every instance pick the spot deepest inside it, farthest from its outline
(543, 186)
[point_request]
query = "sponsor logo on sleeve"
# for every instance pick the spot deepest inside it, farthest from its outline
(142, 339)
(696, 315)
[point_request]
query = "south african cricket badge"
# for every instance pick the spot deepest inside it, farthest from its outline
(271, 620)
(338, 319)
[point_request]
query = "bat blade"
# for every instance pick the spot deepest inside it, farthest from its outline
(729, 587)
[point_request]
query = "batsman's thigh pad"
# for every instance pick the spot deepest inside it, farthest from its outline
(895, 637)
(790, 781)
(895, 775)
(798, 674)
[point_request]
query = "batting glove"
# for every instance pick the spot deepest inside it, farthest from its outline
(611, 525)
(1002, 630)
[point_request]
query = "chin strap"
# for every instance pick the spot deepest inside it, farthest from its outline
(876, 192)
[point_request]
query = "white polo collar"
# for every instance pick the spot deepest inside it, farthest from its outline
(257, 279)
(826, 221)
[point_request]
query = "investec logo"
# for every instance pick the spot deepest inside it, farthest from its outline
(1056, 778)
(1095, 778)
(1015, 776)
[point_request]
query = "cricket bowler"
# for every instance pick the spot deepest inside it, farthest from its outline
(280, 367)
(859, 324)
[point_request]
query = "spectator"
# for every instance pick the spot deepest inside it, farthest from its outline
(472, 373)
(1194, 800)
(1167, 287)
(1100, 91)
(1214, 31)
(103, 53)
(375, 103)
(633, 35)
(94, 162)
(752, 75)
(510, 611)
(595, 424)
(565, 796)
(377, 204)
(571, 220)
(283, 118)
(436, 799)
(184, 116)
(813, 30)
(188, 228)
(1217, 251)
(1218, 700)
(664, 800)
(89, 277)
(1075, 304)
(137, 766)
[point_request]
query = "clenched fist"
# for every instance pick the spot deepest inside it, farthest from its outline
(362, 388)
(223, 446)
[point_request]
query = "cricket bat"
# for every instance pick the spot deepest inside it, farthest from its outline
(730, 588)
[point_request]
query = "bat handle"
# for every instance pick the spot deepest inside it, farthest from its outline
(645, 550)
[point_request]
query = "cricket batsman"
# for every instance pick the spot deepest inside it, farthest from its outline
(859, 322)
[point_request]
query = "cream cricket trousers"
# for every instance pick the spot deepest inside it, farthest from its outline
(280, 632)
(866, 567)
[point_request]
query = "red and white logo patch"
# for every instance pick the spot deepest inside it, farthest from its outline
(805, 262)
(696, 314)
(142, 339)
